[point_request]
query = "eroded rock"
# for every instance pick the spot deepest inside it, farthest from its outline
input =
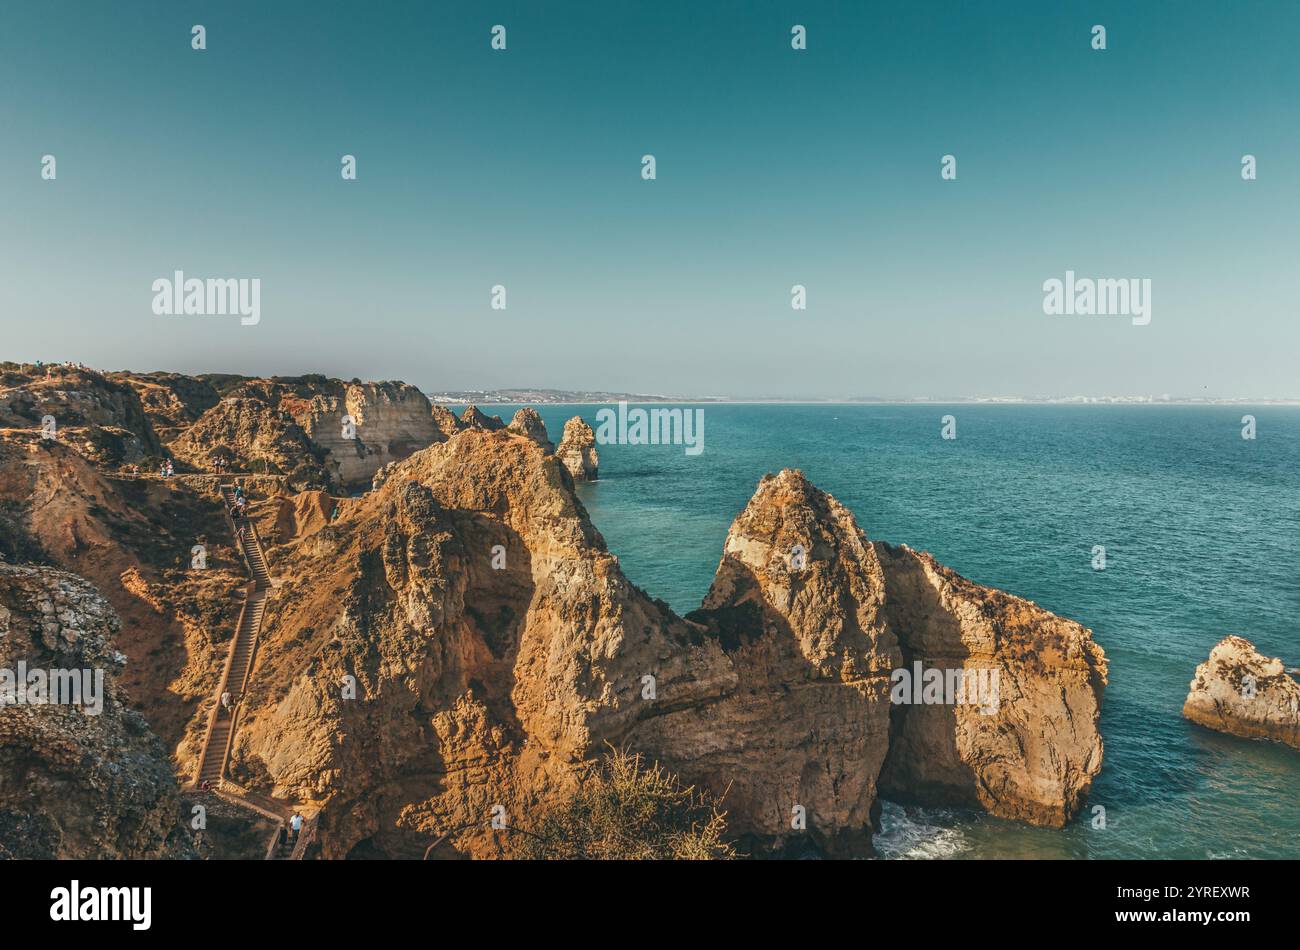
(1239, 691)
(528, 422)
(72, 784)
(577, 451)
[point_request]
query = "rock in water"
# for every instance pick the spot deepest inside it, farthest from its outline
(1023, 742)
(1241, 692)
(577, 450)
(74, 785)
(798, 742)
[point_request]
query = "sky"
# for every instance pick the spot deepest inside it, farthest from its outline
(522, 168)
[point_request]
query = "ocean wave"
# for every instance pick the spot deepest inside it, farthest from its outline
(917, 834)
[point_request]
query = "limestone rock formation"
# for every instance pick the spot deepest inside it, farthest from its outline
(1241, 692)
(388, 421)
(75, 784)
(459, 638)
(474, 418)
(528, 422)
(103, 417)
(445, 421)
(172, 401)
(134, 539)
(797, 606)
(577, 450)
(257, 435)
(1029, 748)
(495, 645)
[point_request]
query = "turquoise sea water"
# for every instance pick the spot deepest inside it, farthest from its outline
(1202, 537)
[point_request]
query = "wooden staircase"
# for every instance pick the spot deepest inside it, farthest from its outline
(243, 649)
(235, 680)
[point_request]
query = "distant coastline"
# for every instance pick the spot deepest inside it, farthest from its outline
(555, 397)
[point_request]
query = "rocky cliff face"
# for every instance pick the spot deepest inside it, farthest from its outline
(1241, 692)
(1026, 746)
(461, 639)
(577, 450)
(802, 729)
(74, 785)
(445, 421)
(474, 418)
(255, 435)
(528, 423)
(133, 539)
(172, 401)
(103, 417)
(367, 426)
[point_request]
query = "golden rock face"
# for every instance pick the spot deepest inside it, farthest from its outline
(456, 643)
(1238, 690)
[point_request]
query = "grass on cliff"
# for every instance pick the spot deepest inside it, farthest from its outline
(627, 809)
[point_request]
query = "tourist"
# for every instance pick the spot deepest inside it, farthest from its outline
(296, 824)
(225, 700)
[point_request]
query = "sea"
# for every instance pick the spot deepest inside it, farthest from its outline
(1201, 531)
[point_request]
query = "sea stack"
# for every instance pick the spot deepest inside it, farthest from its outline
(1240, 691)
(577, 451)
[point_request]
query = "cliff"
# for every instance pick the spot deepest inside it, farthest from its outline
(474, 418)
(388, 421)
(1239, 691)
(251, 434)
(461, 639)
(103, 417)
(133, 539)
(1028, 747)
(76, 783)
(171, 401)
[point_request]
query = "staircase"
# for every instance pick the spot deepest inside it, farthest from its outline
(243, 649)
(235, 680)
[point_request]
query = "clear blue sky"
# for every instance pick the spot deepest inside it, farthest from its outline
(775, 167)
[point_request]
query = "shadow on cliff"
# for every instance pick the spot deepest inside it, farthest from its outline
(464, 718)
(764, 648)
(923, 765)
